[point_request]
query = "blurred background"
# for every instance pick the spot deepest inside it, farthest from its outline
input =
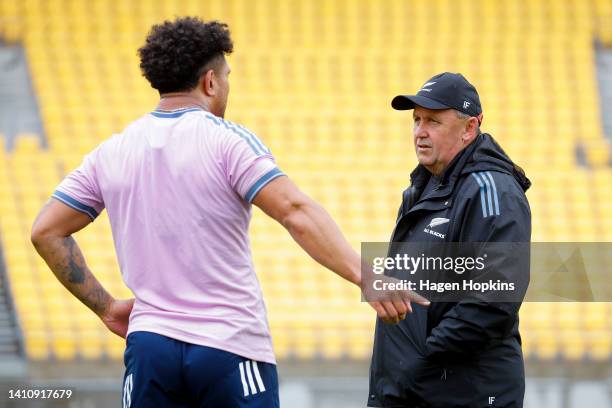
(314, 80)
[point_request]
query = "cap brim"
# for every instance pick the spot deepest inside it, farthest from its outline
(406, 102)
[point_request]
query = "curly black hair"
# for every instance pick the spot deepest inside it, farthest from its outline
(178, 52)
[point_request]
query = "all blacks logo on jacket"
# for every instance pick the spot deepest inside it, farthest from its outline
(434, 223)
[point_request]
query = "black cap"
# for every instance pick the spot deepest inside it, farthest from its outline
(443, 91)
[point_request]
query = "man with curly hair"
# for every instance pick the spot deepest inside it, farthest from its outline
(178, 185)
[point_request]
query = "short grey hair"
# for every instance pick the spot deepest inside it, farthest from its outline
(462, 115)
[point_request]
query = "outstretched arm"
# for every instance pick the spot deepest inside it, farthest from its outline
(52, 237)
(317, 233)
(310, 226)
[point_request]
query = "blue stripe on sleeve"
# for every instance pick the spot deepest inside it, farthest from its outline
(71, 202)
(488, 189)
(488, 173)
(263, 180)
(482, 196)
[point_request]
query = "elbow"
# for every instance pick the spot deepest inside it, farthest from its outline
(38, 234)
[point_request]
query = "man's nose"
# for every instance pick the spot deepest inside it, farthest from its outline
(420, 131)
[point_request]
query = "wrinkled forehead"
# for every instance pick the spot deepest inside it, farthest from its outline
(421, 112)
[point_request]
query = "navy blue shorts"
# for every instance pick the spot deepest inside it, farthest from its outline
(164, 372)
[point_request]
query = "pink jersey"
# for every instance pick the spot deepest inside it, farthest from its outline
(177, 186)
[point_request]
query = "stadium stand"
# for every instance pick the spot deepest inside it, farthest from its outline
(314, 80)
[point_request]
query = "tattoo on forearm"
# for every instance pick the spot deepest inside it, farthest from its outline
(76, 274)
(65, 259)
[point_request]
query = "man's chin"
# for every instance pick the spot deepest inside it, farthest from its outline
(424, 160)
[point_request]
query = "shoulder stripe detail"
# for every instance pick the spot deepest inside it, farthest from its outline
(238, 132)
(242, 135)
(239, 129)
(263, 180)
(496, 200)
(254, 137)
(259, 149)
(488, 190)
(71, 202)
(212, 117)
(482, 195)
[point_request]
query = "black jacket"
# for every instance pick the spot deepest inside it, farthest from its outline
(457, 354)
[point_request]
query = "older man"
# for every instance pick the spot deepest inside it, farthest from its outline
(463, 353)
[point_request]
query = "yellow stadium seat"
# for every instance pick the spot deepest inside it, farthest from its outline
(64, 345)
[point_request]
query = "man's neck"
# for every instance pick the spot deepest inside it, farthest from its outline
(437, 171)
(178, 100)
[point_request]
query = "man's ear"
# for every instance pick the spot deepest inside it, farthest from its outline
(208, 83)
(470, 131)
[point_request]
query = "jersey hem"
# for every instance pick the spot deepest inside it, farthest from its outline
(270, 359)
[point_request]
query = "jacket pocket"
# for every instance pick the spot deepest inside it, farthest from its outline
(448, 385)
